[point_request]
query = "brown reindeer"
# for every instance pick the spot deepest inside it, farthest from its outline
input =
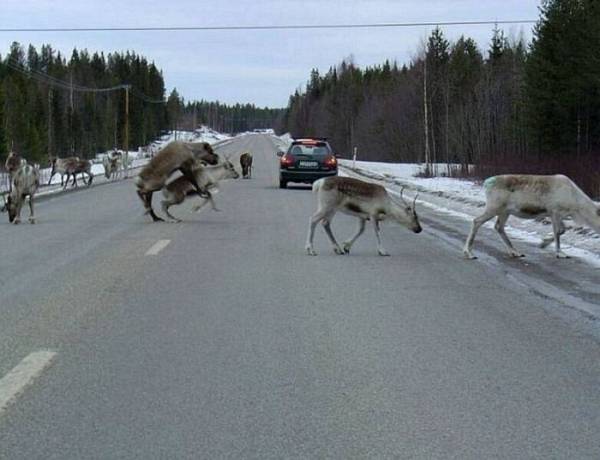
(176, 156)
(79, 167)
(60, 166)
(246, 164)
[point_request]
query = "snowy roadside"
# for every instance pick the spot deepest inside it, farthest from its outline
(137, 160)
(465, 199)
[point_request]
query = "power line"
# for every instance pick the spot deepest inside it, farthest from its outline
(45, 78)
(269, 27)
(53, 81)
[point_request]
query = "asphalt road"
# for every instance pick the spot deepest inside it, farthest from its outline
(232, 343)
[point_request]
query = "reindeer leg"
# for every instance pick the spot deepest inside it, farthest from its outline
(165, 207)
(198, 206)
(19, 206)
(558, 228)
(155, 218)
(146, 198)
(313, 221)
(380, 249)
(546, 241)
(477, 223)
(499, 226)
(31, 215)
(347, 245)
(326, 222)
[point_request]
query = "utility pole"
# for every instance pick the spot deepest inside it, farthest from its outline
(50, 97)
(127, 130)
(427, 155)
(71, 115)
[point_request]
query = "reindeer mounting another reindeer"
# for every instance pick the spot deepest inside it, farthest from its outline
(176, 156)
(532, 197)
(364, 200)
(25, 182)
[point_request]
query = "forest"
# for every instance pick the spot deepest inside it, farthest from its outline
(53, 106)
(509, 107)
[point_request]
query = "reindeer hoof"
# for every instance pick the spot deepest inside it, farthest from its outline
(469, 256)
(383, 253)
(311, 251)
(516, 255)
(562, 255)
(339, 251)
(346, 247)
(31, 220)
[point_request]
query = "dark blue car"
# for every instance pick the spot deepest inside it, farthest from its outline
(306, 161)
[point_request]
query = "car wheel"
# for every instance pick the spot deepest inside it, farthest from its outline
(282, 183)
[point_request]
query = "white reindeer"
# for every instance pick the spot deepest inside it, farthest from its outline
(530, 197)
(112, 165)
(364, 200)
(25, 183)
(207, 177)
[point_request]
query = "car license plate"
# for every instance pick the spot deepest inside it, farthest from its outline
(308, 164)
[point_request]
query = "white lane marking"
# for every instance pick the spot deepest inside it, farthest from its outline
(157, 247)
(13, 383)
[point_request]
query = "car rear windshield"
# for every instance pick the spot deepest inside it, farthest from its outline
(317, 149)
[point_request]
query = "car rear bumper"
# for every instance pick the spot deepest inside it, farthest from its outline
(304, 176)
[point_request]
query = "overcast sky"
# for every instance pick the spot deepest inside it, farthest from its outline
(261, 67)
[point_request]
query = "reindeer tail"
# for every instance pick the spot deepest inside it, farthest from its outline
(317, 185)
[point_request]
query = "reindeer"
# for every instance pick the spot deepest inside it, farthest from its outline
(246, 164)
(532, 197)
(60, 166)
(176, 156)
(13, 162)
(207, 177)
(26, 181)
(77, 167)
(112, 163)
(364, 200)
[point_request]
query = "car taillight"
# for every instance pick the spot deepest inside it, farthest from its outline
(287, 160)
(331, 161)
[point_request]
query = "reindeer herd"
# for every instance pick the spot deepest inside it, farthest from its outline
(201, 170)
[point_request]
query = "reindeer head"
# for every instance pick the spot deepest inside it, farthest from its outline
(406, 214)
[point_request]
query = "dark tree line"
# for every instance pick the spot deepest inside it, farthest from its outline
(513, 107)
(41, 117)
(224, 118)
